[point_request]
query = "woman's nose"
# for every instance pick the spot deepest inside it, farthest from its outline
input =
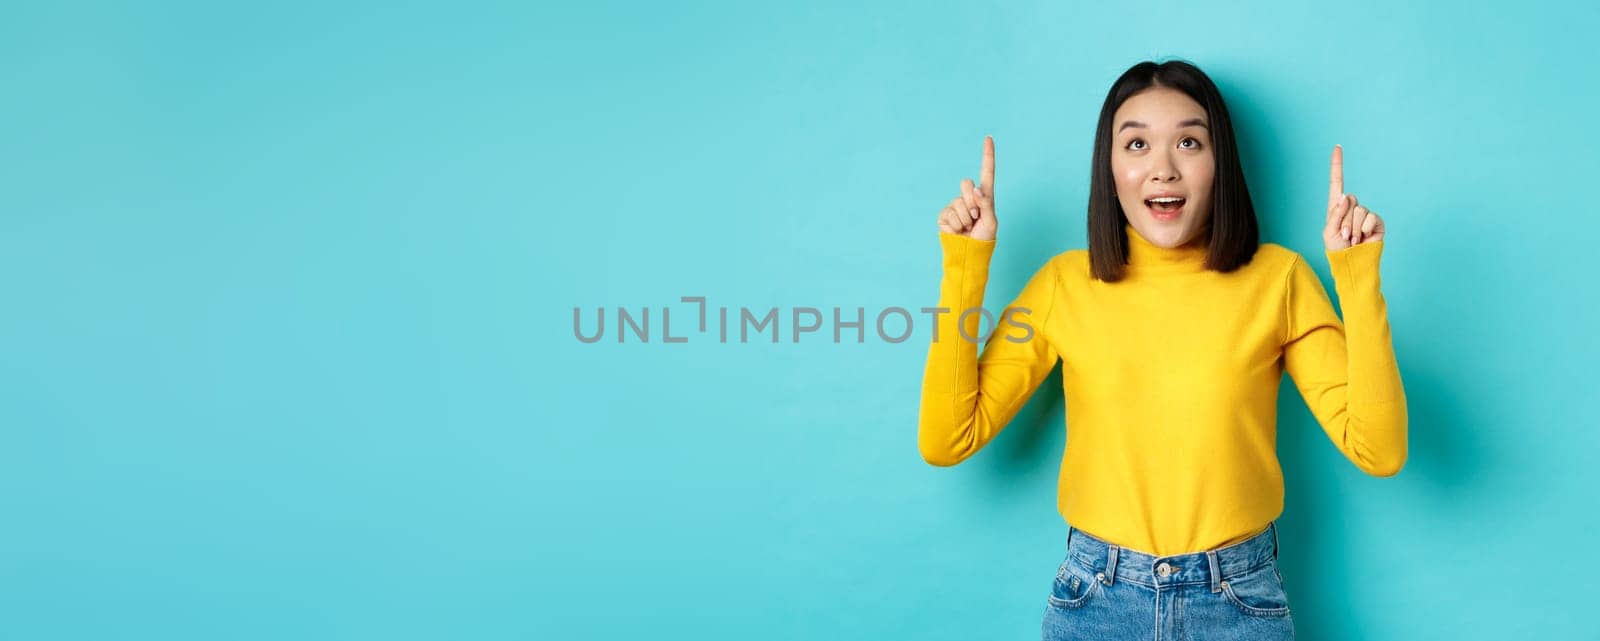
(1164, 171)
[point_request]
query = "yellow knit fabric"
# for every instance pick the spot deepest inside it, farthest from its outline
(1171, 381)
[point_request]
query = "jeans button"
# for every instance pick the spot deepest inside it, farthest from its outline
(1163, 569)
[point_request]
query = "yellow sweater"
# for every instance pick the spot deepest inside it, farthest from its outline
(1171, 381)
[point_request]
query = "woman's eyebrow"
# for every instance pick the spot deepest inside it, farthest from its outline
(1192, 122)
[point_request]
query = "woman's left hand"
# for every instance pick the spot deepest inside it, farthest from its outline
(1349, 223)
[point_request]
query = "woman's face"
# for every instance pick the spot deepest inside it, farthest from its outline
(1161, 146)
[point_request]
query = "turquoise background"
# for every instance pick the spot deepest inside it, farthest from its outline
(287, 347)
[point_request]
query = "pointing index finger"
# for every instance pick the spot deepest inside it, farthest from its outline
(1336, 176)
(986, 176)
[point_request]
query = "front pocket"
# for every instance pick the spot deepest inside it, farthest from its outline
(1258, 592)
(1073, 586)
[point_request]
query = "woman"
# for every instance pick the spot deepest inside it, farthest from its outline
(1173, 330)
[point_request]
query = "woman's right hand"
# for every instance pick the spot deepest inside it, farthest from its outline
(971, 213)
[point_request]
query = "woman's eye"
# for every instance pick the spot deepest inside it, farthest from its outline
(1135, 141)
(1196, 143)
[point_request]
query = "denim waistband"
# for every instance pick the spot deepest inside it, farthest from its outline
(1112, 562)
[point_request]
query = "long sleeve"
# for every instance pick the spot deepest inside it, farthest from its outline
(1347, 372)
(967, 399)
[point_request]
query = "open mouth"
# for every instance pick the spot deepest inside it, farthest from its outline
(1169, 205)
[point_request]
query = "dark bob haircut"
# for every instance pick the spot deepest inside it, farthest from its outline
(1235, 235)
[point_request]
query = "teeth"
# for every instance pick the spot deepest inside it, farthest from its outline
(1170, 199)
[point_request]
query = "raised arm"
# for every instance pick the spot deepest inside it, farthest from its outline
(966, 398)
(1346, 371)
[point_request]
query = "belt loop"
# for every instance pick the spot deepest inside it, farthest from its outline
(1111, 565)
(1216, 573)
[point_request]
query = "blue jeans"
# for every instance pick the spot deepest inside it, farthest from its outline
(1106, 591)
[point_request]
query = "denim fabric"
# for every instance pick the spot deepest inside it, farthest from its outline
(1106, 592)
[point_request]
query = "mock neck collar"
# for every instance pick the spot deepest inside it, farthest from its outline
(1145, 256)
